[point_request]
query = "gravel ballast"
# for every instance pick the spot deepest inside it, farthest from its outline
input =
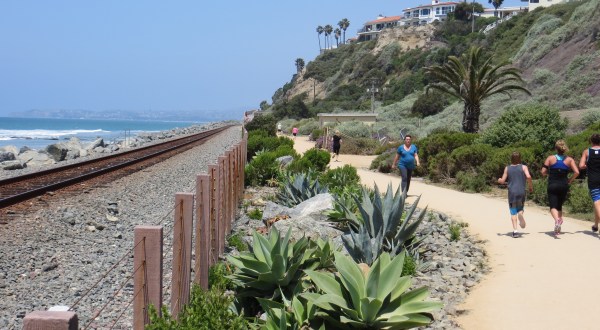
(53, 255)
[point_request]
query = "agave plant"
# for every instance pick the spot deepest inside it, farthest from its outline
(297, 188)
(273, 267)
(380, 227)
(297, 314)
(369, 298)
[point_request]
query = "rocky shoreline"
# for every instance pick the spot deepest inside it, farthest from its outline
(17, 161)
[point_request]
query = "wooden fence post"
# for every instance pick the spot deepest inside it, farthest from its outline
(148, 273)
(182, 252)
(223, 202)
(203, 230)
(215, 211)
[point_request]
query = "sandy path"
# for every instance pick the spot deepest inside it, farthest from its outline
(537, 281)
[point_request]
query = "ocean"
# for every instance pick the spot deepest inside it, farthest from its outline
(37, 133)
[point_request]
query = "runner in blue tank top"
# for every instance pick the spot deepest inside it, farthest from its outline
(590, 160)
(557, 168)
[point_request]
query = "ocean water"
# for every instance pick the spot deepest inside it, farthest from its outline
(37, 133)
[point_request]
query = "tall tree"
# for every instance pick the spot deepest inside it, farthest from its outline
(464, 10)
(337, 33)
(328, 30)
(299, 65)
(344, 24)
(473, 78)
(496, 4)
(319, 32)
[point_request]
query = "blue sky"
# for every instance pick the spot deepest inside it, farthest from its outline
(223, 56)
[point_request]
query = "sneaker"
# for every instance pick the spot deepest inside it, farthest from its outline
(556, 229)
(560, 222)
(515, 234)
(594, 228)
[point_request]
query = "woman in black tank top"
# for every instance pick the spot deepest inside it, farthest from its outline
(590, 161)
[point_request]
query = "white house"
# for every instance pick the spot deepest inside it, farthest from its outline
(425, 14)
(371, 29)
(533, 4)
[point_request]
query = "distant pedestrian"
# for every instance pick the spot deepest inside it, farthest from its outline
(590, 160)
(295, 132)
(337, 144)
(406, 156)
(557, 168)
(516, 174)
(279, 128)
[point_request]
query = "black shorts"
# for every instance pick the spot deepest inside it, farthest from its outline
(557, 195)
(336, 148)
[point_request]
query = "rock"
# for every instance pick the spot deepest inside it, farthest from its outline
(6, 156)
(90, 228)
(10, 165)
(284, 160)
(95, 144)
(111, 218)
(35, 158)
(313, 206)
(49, 267)
(58, 151)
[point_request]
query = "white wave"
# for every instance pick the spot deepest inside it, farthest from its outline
(7, 134)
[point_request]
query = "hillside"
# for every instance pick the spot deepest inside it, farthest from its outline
(557, 49)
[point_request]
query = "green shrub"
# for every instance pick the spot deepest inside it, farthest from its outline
(207, 310)
(469, 157)
(261, 140)
(454, 229)
(338, 178)
(255, 214)
(355, 129)
(436, 143)
(384, 163)
(579, 200)
(493, 167)
(261, 169)
(267, 123)
(429, 104)
(315, 134)
(533, 122)
(387, 147)
(359, 146)
(237, 242)
(589, 118)
(471, 182)
(439, 167)
(313, 159)
(540, 192)
(410, 266)
(217, 276)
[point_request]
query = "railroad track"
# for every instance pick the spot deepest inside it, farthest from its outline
(21, 188)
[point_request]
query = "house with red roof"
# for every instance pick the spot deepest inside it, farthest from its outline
(371, 30)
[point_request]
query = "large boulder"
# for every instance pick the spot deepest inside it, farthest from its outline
(12, 149)
(35, 158)
(6, 156)
(305, 219)
(99, 142)
(58, 151)
(10, 165)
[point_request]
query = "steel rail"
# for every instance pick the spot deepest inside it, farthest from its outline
(123, 159)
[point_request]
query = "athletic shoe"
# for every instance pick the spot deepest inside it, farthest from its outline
(559, 224)
(556, 229)
(594, 228)
(515, 234)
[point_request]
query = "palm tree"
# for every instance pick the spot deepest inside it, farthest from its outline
(337, 33)
(344, 24)
(496, 4)
(473, 78)
(299, 65)
(319, 31)
(328, 30)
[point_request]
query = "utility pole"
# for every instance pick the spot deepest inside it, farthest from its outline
(473, 17)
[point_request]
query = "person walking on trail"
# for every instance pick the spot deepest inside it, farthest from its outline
(406, 156)
(516, 174)
(557, 168)
(337, 144)
(295, 132)
(279, 128)
(590, 160)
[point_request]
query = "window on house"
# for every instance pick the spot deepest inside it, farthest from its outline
(534, 1)
(425, 12)
(438, 10)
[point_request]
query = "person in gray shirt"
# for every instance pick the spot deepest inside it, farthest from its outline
(516, 174)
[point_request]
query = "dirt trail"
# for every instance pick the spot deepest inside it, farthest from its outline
(538, 281)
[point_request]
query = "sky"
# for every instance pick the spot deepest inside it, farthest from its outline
(185, 55)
